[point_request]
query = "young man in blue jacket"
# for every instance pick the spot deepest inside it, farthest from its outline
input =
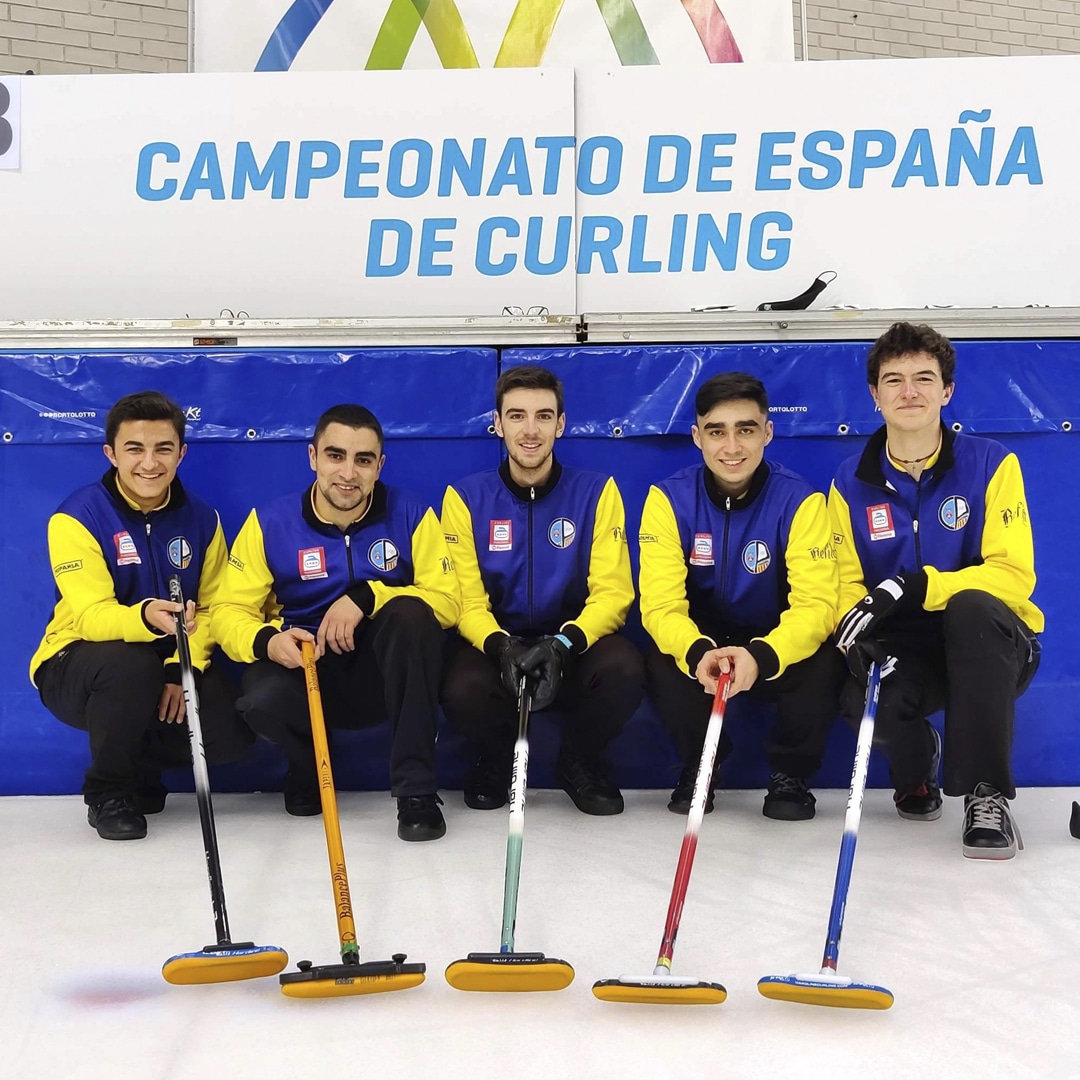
(361, 570)
(937, 568)
(107, 663)
(545, 578)
(738, 574)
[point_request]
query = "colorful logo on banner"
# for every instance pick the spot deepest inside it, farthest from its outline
(523, 45)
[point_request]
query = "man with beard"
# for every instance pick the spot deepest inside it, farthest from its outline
(545, 581)
(361, 570)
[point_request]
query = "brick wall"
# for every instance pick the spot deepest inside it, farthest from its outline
(53, 37)
(65, 36)
(860, 29)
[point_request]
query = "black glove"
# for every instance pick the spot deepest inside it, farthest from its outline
(865, 652)
(859, 623)
(508, 652)
(547, 660)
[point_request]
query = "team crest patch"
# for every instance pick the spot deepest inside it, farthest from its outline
(383, 555)
(500, 536)
(756, 557)
(180, 552)
(702, 553)
(561, 532)
(879, 521)
(127, 554)
(312, 563)
(954, 512)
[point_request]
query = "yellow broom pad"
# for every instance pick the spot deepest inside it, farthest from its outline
(367, 984)
(214, 967)
(699, 993)
(854, 996)
(495, 977)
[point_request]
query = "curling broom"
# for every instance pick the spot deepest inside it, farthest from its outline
(827, 987)
(507, 970)
(227, 960)
(350, 977)
(661, 987)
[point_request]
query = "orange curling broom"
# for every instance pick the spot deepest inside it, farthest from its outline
(661, 987)
(350, 977)
(227, 960)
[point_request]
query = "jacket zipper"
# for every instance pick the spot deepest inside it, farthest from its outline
(348, 554)
(723, 563)
(153, 561)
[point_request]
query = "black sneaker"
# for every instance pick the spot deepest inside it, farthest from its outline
(488, 784)
(419, 817)
(683, 795)
(989, 830)
(788, 799)
(116, 818)
(302, 795)
(589, 789)
(924, 803)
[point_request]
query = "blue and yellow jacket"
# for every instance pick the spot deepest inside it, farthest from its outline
(287, 566)
(964, 523)
(759, 571)
(539, 560)
(109, 559)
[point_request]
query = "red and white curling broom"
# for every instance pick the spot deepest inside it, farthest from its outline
(661, 987)
(227, 960)
(827, 987)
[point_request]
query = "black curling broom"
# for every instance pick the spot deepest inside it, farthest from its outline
(227, 960)
(350, 977)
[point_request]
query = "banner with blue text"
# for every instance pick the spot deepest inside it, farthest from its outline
(912, 184)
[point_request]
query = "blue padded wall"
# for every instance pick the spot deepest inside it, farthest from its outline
(629, 410)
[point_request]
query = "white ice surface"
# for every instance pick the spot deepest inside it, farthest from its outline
(983, 958)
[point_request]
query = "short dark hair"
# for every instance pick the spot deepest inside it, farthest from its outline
(353, 416)
(904, 339)
(730, 386)
(144, 405)
(528, 377)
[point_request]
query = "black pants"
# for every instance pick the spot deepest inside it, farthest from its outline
(805, 696)
(601, 691)
(974, 660)
(111, 689)
(393, 673)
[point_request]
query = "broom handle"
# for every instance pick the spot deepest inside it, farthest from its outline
(350, 950)
(516, 831)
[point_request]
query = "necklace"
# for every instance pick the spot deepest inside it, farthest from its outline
(912, 461)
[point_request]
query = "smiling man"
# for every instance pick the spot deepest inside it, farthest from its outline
(545, 581)
(361, 570)
(738, 574)
(107, 663)
(938, 524)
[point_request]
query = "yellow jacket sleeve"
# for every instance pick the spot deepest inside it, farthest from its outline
(244, 604)
(87, 590)
(434, 579)
(813, 586)
(849, 567)
(476, 622)
(665, 609)
(1008, 567)
(610, 581)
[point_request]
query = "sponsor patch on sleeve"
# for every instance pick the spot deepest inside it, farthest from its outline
(66, 567)
(234, 561)
(451, 538)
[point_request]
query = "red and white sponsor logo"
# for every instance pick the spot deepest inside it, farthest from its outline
(702, 555)
(126, 552)
(879, 521)
(500, 536)
(312, 562)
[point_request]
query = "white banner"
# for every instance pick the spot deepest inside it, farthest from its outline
(351, 35)
(918, 183)
(10, 127)
(291, 195)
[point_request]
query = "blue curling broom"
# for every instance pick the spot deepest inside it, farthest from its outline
(827, 987)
